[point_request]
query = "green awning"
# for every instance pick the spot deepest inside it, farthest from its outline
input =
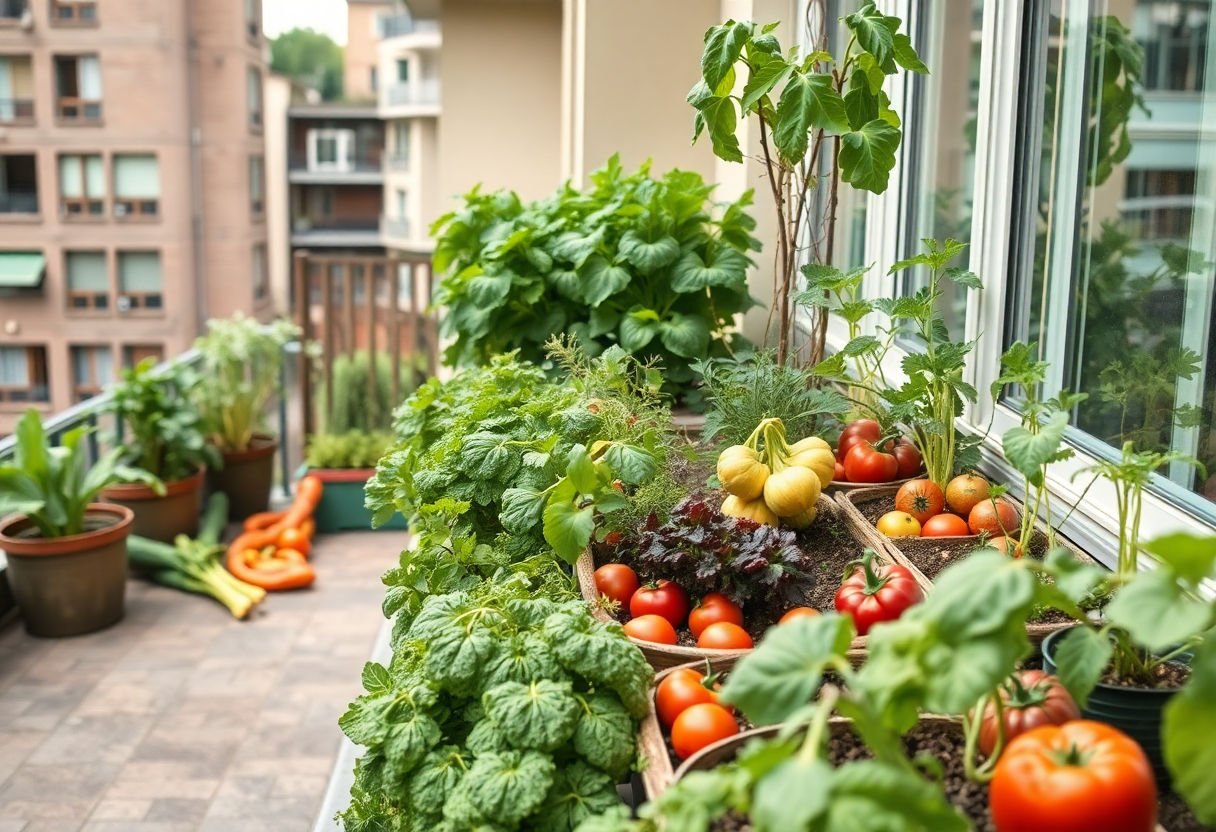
(21, 269)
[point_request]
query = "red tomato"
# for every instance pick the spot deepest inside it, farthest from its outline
(839, 475)
(996, 517)
(294, 539)
(724, 635)
(907, 457)
(877, 593)
(1079, 775)
(799, 612)
(945, 525)
(681, 689)
(1029, 698)
(920, 498)
(964, 491)
(654, 628)
(699, 726)
(898, 524)
(616, 581)
(660, 598)
(863, 430)
(864, 463)
(712, 609)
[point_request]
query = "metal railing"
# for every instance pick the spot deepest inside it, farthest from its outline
(332, 223)
(425, 91)
(404, 24)
(397, 161)
(365, 160)
(19, 202)
(397, 228)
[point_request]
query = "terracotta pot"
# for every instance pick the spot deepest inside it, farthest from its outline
(68, 586)
(157, 517)
(246, 477)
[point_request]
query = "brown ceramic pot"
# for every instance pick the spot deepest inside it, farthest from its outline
(246, 477)
(68, 586)
(161, 517)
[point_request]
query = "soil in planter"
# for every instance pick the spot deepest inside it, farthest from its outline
(1169, 676)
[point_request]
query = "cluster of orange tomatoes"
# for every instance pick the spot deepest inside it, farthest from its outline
(922, 509)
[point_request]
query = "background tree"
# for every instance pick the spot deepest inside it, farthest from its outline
(311, 58)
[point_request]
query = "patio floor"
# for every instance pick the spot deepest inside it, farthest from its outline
(180, 718)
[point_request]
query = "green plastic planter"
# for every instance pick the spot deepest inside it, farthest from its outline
(1134, 711)
(341, 508)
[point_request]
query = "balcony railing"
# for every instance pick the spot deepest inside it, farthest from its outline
(425, 91)
(404, 24)
(16, 109)
(398, 161)
(364, 161)
(397, 228)
(19, 202)
(307, 223)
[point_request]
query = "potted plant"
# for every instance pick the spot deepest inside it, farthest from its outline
(67, 555)
(345, 462)
(163, 436)
(241, 359)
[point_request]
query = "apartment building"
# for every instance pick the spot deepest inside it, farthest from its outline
(132, 186)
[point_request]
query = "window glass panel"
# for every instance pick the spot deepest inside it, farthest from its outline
(139, 271)
(1121, 238)
(71, 181)
(14, 366)
(90, 77)
(95, 177)
(136, 177)
(327, 150)
(87, 271)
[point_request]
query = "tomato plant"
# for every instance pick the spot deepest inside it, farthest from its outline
(1079, 775)
(865, 463)
(616, 581)
(653, 628)
(799, 612)
(898, 524)
(680, 690)
(945, 525)
(724, 635)
(699, 726)
(663, 598)
(873, 594)
(713, 608)
(964, 491)
(920, 498)
(1029, 698)
(996, 517)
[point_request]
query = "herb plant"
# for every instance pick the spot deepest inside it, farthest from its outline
(53, 486)
(651, 265)
(166, 435)
(755, 565)
(238, 376)
(363, 390)
(353, 449)
(822, 121)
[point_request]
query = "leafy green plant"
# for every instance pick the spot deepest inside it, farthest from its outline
(821, 120)
(358, 405)
(53, 486)
(745, 390)
(648, 264)
(166, 434)
(934, 391)
(238, 376)
(353, 449)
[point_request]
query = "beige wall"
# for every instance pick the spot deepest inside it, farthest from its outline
(360, 54)
(501, 70)
(639, 60)
(278, 92)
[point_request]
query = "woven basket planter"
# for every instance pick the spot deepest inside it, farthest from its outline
(917, 553)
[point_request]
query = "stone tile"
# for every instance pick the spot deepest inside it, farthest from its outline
(53, 826)
(178, 810)
(138, 826)
(13, 825)
(15, 747)
(96, 738)
(184, 788)
(81, 783)
(120, 809)
(299, 787)
(67, 811)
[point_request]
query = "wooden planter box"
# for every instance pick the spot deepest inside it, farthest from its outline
(663, 656)
(341, 507)
(915, 552)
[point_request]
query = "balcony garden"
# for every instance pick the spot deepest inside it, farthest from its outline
(846, 574)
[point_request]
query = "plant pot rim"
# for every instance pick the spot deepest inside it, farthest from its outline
(39, 546)
(340, 474)
(1049, 644)
(137, 491)
(261, 445)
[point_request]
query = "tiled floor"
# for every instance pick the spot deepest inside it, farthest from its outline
(182, 719)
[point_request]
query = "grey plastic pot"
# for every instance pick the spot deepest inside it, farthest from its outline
(69, 586)
(246, 477)
(1134, 711)
(160, 517)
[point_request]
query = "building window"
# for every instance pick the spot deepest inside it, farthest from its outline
(73, 13)
(133, 354)
(374, 78)
(11, 11)
(403, 71)
(253, 19)
(18, 184)
(331, 150)
(92, 370)
(82, 186)
(88, 280)
(1118, 234)
(140, 285)
(16, 89)
(136, 186)
(257, 185)
(401, 145)
(78, 88)
(261, 279)
(253, 95)
(23, 376)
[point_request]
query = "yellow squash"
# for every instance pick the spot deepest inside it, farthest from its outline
(754, 510)
(792, 491)
(820, 460)
(741, 472)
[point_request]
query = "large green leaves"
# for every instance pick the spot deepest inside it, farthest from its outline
(602, 654)
(685, 335)
(1188, 727)
(723, 45)
(604, 733)
(539, 716)
(501, 788)
(809, 101)
(720, 267)
(867, 155)
(1081, 656)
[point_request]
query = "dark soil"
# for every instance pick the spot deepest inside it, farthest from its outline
(1174, 815)
(1169, 676)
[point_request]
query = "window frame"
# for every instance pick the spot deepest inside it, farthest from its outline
(257, 201)
(133, 209)
(11, 394)
(76, 17)
(139, 302)
(96, 302)
(83, 392)
(82, 117)
(84, 203)
(255, 115)
(996, 253)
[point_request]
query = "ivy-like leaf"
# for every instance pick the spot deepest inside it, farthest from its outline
(875, 33)
(723, 45)
(808, 101)
(867, 156)
(568, 528)
(726, 267)
(1029, 452)
(905, 54)
(769, 74)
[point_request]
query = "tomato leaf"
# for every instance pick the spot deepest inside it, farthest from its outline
(793, 795)
(878, 796)
(1188, 727)
(1158, 612)
(1081, 657)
